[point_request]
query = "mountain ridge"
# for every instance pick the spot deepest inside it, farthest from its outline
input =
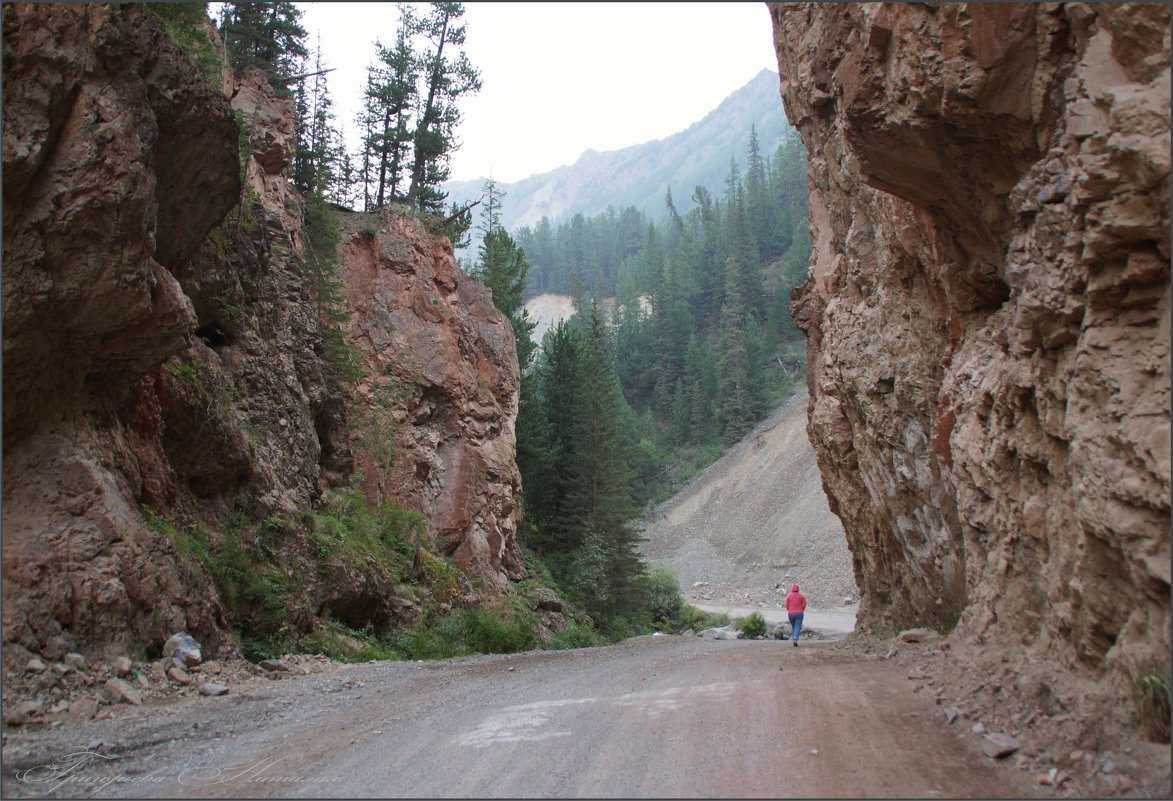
(638, 175)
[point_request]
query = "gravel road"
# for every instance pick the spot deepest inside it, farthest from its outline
(656, 716)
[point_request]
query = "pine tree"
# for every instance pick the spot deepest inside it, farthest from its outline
(735, 391)
(599, 506)
(318, 147)
(562, 386)
(447, 78)
(388, 104)
(266, 35)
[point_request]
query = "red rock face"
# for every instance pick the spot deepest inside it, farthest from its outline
(987, 314)
(437, 409)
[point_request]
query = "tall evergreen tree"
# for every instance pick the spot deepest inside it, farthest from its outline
(502, 267)
(388, 104)
(317, 153)
(447, 79)
(599, 498)
(266, 35)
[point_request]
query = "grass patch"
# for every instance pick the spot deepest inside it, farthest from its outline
(1150, 704)
(186, 25)
(349, 527)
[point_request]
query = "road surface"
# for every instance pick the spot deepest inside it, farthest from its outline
(657, 716)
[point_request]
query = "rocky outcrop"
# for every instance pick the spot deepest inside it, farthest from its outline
(173, 421)
(440, 394)
(987, 315)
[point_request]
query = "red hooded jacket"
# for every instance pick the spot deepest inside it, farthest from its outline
(795, 601)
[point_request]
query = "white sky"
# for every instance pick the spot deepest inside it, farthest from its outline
(559, 78)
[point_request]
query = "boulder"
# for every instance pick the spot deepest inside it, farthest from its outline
(74, 660)
(84, 708)
(723, 633)
(123, 666)
(118, 691)
(212, 688)
(273, 665)
(546, 599)
(182, 646)
(56, 647)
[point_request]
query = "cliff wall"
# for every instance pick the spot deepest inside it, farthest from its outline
(169, 403)
(440, 393)
(987, 315)
(118, 162)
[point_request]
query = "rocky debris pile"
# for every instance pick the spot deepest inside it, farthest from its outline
(1052, 726)
(756, 519)
(75, 689)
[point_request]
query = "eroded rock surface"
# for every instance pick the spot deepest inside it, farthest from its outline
(167, 389)
(441, 391)
(98, 111)
(987, 315)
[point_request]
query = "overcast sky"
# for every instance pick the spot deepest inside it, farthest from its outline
(559, 78)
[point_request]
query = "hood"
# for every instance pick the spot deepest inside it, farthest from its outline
(794, 588)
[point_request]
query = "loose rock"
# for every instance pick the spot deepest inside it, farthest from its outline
(123, 665)
(117, 691)
(23, 712)
(179, 675)
(35, 666)
(84, 708)
(211, 688)
(273, 665)
(75, 661)
(998, 745)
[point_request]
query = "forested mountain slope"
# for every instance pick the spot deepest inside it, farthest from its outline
(639, 175)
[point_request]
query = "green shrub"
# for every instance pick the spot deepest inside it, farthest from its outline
(1150, 703)
(576, 635)
(752, 625)
(697, 620)
(192, 546)
(661, 591)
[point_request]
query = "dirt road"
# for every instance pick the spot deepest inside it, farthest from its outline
(651, 717)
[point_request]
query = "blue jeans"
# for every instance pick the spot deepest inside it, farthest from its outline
(795, 625)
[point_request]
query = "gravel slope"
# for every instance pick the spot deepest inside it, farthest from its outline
(756, 519)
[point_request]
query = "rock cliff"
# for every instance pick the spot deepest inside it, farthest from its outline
(171, 425)
(118, 161)
(987, 315)
(440, 394)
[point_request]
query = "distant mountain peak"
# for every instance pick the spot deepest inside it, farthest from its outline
(639, 175)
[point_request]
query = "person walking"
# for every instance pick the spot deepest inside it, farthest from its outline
(795, 606)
